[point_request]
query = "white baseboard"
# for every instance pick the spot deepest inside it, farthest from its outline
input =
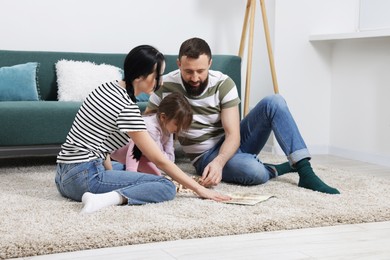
(360, 156)
(346, 153)
(275, 149)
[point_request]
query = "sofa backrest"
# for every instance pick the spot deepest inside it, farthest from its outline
(47, 80)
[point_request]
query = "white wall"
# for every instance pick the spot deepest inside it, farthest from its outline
(374, 14)
(303, 70)
(338, 91)
(360, 107)
(119, 25)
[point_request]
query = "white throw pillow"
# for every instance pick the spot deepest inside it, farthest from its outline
(76, 79)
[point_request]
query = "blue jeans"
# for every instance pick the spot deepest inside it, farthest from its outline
(270, 114)
(73, 180)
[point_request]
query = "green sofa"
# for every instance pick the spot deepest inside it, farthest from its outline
(38, 128)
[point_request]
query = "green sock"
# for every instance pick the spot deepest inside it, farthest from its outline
(280, 169)
(309, 180)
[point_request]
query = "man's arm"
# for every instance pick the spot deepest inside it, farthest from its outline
(147, 110)
(153, 103)
(230, 118)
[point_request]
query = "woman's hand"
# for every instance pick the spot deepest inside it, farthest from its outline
(212, 195)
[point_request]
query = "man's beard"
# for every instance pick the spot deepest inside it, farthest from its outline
(195, 91)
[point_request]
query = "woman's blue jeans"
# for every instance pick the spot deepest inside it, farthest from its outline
(270, 114)
(73, 180)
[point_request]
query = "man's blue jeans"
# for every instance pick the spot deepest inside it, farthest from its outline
(73, 180)
(270, 114)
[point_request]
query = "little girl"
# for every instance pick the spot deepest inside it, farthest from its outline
(173, 116)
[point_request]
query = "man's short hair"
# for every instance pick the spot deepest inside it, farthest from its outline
(194, 47)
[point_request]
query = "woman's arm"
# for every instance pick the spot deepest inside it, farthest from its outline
(150, 149)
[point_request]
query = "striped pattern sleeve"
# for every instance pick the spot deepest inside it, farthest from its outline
(101, 125)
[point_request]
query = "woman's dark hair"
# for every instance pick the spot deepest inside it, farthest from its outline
(141, 62)
(193, 48)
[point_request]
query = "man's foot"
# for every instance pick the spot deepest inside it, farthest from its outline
(309, 180)
(280, 169)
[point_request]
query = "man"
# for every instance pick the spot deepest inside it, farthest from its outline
(220, 146)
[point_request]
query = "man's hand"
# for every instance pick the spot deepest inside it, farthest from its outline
(212, 174)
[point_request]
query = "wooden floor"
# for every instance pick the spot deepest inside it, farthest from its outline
(358, 241)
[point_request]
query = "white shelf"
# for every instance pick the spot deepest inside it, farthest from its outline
(352, 35)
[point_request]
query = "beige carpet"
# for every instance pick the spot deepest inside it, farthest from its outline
(35, 219)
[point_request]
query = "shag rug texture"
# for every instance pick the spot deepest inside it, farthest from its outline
(36, 220)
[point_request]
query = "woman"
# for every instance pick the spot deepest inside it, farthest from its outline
(104, 122)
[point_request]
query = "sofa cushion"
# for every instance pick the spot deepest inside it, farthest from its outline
(76, 79)
(36, 122)
(19, 82)
(47, 81)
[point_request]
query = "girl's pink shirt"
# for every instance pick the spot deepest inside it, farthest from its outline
(164, 141)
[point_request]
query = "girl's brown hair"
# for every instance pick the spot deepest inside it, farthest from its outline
(175, 106)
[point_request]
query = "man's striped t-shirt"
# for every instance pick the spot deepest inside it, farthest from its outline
(101, 124)
(206, 128)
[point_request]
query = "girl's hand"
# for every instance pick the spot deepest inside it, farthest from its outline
(213, 195)
(107, 163)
